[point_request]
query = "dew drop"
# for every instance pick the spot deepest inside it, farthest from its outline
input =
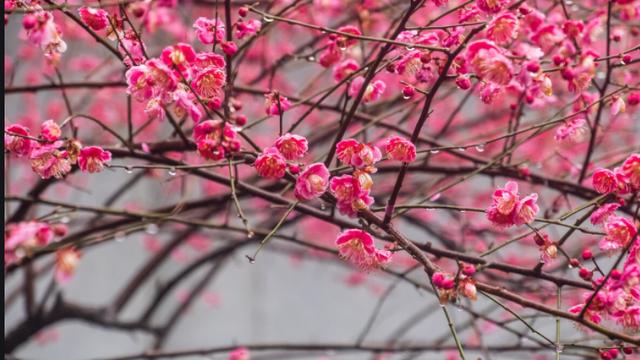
(311, 58)
(267, 19)
(250, 234)
(251, 260)
(559, 348)
(461, 149)
(172, 171)
(323, 206)
(152, 229)
(128, 170)
(480, 148)
(120, 236)
(65, 219)
(410, 48)
(342, 47)
(406, 97)
(434, 151)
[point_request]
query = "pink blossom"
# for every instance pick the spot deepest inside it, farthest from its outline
(271, 164)
(208, 83)
(491, 6)
(603, 213)
(526, 210)
(357, 246)
(24, 237)
(619, 232)
(240, 353)
(507, 209)
(96, 19)
(589, 314)
(346, 150)
(209, 30)
(373, 91)
(631, 170)
(184, 104)
(362, 156)
(47, 161)
(350, 194)
(213, 140)
(401, 149)
(292, 146)
(67, 260)
(46, 35)
(463, 82)
(503, 28)
(366, 157)
(548, 249)
(275, 103)
(344, 69)
(131, 48)
(50, 131)
(604, 181)
(312, 182)
(574, 130)
(93, 158)
(247, 28)
(17, 144)
(153, 79)
(617, 106)
(488, 62)
(505, 200)
(229, 48)
(204, 60)
(179, 57)
(547, 36)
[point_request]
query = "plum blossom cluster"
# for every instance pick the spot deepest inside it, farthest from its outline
(508, 209)
(49, 155)
(548, 249)
(274, 160)
(180, 78)
(358, 247)
(621, 180)
(618, 298)
(39, 28)
(215, 139)
(619, 231)
(23, 238)
(352, 192)
(451, 287)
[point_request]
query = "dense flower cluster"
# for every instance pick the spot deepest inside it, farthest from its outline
(49, 155)
(619, 297)
(358, 247)
(450, 287)
(621, 180)
(21, 239)
(180, 78)
(396, 106)
(214, 139)
(40, 28)
(507, 208)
